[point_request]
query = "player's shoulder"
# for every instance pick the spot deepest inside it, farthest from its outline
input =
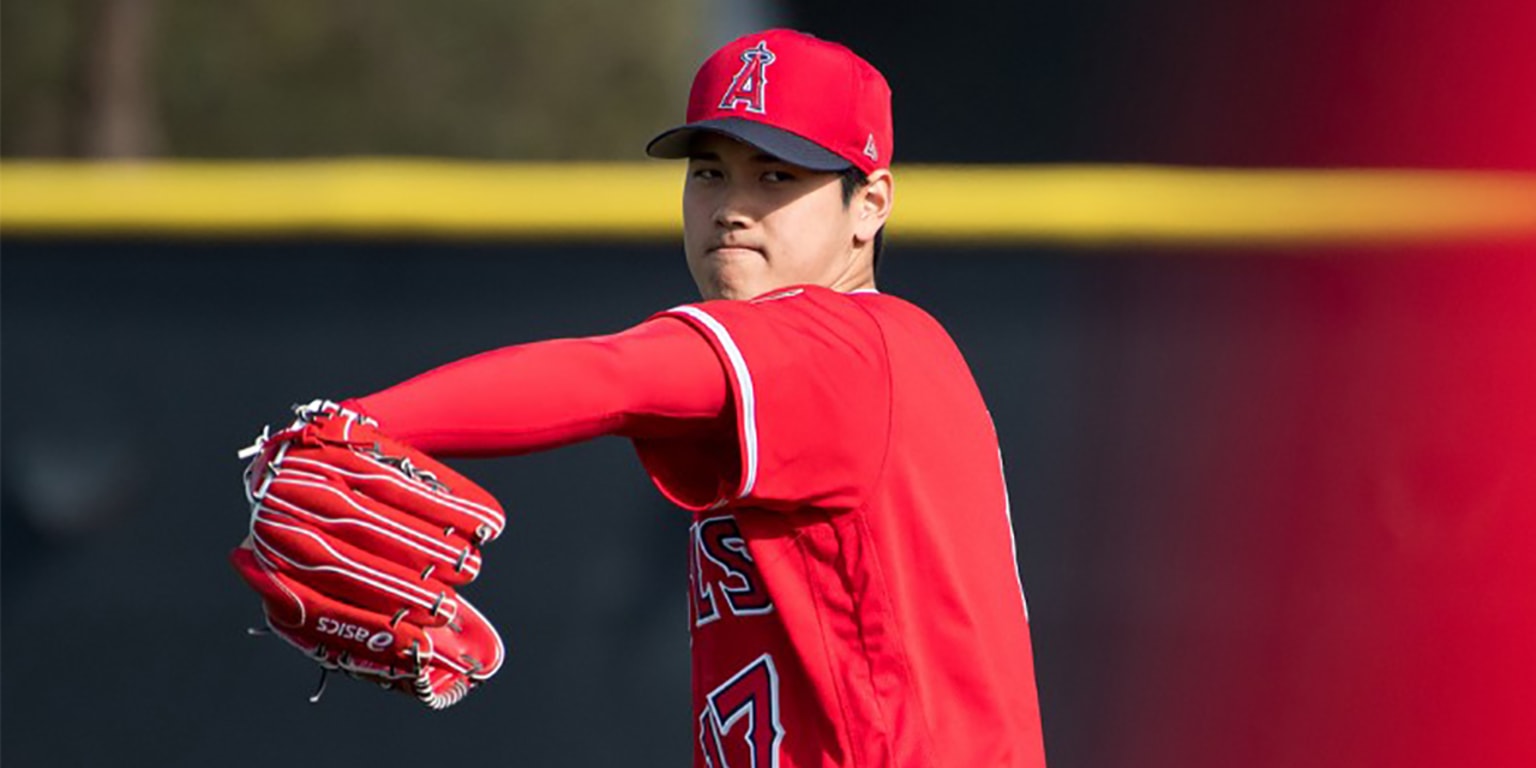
(892, 313)
(778, 302)
(859, 303)
(813, 306)
(802, 295)
(803, 312)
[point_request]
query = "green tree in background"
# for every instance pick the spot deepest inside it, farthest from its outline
(524, 79)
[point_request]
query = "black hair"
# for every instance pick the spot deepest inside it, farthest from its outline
(854, 180)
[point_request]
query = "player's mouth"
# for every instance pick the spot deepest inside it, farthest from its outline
(733, 251)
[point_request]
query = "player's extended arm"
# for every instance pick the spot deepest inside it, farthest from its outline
(359, 539)
(658, 379)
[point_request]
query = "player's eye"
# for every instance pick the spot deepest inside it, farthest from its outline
(705, 174)
(778, 177)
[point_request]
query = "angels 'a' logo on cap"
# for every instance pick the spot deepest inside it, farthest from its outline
(869, 149)
(751, 81)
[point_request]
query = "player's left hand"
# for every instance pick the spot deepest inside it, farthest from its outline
(358, 544)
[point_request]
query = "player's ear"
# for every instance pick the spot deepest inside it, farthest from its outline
(872, 205)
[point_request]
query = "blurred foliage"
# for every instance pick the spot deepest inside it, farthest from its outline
(285, 78)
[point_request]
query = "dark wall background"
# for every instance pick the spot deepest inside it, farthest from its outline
(1427, 83)
(1273, 508)
(1443, 83)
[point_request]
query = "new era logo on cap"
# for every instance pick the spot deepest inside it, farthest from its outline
(808, 101)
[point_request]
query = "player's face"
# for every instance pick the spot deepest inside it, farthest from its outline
(753, 223)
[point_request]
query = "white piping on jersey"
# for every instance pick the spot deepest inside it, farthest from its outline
(744, 383)
(863, 290)
(1013, 543)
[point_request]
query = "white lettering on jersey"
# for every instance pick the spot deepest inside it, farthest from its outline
(720, 559)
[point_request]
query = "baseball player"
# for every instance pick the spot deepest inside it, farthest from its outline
(853, 588)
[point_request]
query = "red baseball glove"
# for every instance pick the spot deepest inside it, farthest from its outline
(358, 544)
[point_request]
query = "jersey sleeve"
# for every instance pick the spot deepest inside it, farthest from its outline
(656, 380)
(810, 386)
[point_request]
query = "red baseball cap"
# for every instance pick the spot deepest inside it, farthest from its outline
(804, 100)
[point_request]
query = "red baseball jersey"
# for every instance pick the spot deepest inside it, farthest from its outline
(855, 599)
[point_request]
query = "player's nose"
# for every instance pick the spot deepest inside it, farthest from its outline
(733, 210)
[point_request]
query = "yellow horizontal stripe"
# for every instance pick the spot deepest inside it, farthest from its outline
(1003, 204)
(1160, 204)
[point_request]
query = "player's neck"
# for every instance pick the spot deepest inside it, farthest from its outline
(866, 284)
(859, 275)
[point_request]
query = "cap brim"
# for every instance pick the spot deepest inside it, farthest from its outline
(677, 143)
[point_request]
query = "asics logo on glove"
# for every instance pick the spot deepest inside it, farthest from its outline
(376, 641)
